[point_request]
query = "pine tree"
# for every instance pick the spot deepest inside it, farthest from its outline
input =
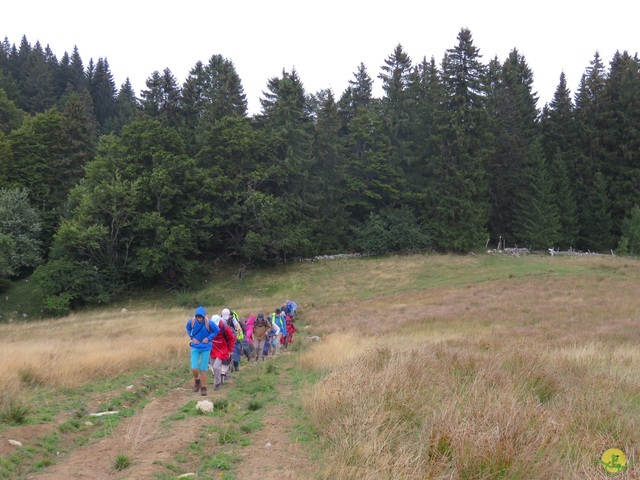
(514, 112)
(127, 107)
(38, 82)
(397, 104)
(536, 221)
(77, 77)
(371, 179)
(357, 96)
(103, 92)
(427, 92)
(596, 217)
(589, 125)
(458, 187)
(329, 219)
(621, 136)
(162, 100)
(559, 144)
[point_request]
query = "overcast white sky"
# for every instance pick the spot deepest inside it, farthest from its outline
(324, 41)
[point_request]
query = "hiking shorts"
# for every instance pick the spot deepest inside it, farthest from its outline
(199, 359)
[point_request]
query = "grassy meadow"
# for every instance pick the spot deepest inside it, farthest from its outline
(430, 366)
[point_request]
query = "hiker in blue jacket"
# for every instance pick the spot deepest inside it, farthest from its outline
(278, 320)
(201, 331)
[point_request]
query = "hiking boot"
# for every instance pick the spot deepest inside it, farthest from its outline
(196, 386)
(217, 387)
(203, 391)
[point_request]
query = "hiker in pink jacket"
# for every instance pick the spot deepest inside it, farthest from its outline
(249, 325)
(250, 321)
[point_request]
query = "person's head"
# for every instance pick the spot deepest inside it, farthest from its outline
(261, 316)
(225, 314)
(278, 311)
(200, 313)
(216, 319)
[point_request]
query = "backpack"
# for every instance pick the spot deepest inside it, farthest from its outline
(243, 326)
(206, 323)
(225, 334)
(233, 319)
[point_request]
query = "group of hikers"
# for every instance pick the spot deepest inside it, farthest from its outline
(219, 342)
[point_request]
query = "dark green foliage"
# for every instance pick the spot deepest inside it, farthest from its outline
(596, 220)
(136, 218)
(621, 136)
(20, 227)
(449, 157)
(458, 199)
(211, 92)
(631, 233)
(103, 92)
(127, 107)
(325, 182)
(10, 115)
(537, 222)
(392, 231)
(515, 132)
(162, 99)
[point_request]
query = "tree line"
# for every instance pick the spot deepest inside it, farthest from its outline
(104, 191)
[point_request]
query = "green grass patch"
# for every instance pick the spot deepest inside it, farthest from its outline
(221, 461)
(254, 405)
(14, 413)
(122, 461)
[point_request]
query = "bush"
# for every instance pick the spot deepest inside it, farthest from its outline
(66, 283)
(392, 231)
(14, 413)
(630, 240)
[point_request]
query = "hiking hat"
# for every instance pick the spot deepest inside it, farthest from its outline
(261, 315)
(225, 313)
(215, 319)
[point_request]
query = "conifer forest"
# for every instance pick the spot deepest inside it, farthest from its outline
(103, 190)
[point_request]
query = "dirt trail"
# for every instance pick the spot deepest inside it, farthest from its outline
(151, 444)
(141, 437)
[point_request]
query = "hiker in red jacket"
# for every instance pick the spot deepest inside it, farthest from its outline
(291, 329)
(221, 349)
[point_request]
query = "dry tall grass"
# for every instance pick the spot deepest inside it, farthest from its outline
(72, 351)
(516, 378)
(435, 366)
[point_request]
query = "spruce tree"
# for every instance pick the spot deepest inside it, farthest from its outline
(38, 82)
(325, 190)
(77, 77)
(426, 90)
(559, 145)
(162, 99)
(515, 131)
(103, 92)
(127, 107)
(458, 190)
(397, 104)
(536, 222)
(358, 95)
(596, 219)
(589, 125)
(621, 136)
